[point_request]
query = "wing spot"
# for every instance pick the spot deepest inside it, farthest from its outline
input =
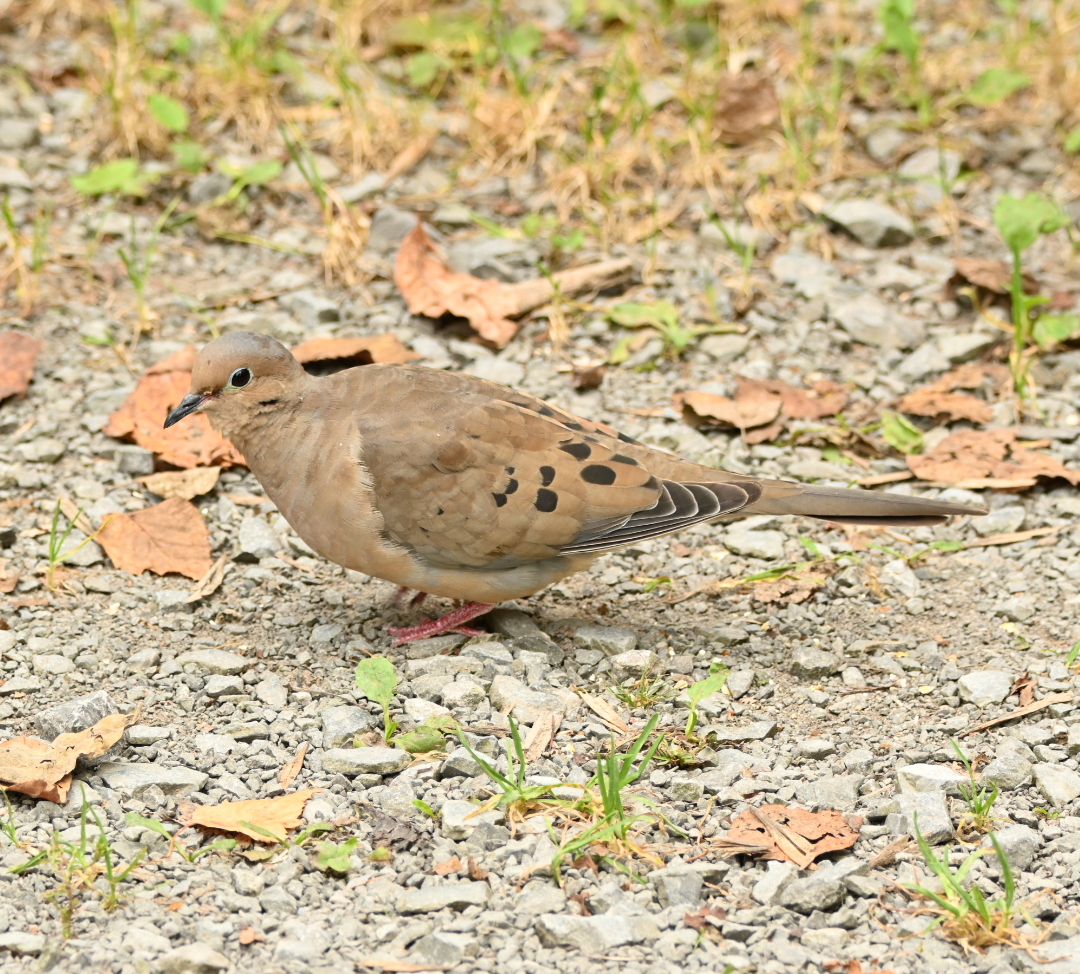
(627, 439)
(546, 411)
(622, 458)
(546, 500)
(500, 499)
(598, 473)
(511, 486)
(510, 470)
(579, 451)
(547, 475)
(576, 427)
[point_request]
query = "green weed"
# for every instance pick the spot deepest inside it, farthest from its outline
(55, 553)
(979, 799)
(188, 855)
(663, 320)
(137, 261)
(428, 736)
(513, 795)
(696, 692)
(333, 858)
(900, 433)
(376, 679)
(646, 691)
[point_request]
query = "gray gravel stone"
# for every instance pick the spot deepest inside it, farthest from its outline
(740, 682)
(525, 705)
(814, 664)
(832, 791)
(459, 818)
(755, 544)
(931, 810)
(1008, 771)
(340, 725)
(760, 730)
(930, 777)
(133, 780)
(631, 665)
(214, 661)
(594, 935)
(677, 887)
(142, 735)
(984, 687)
(20, 943)
(459, 762)
(1004, 520)
(278, 901)
(366, 760)
(271, 692)
(219, 686)
(1018, 842)
(609, 641)
(74, 715)
(777, 876)
(869, 320)
(823, 889)
(389, 226)
(196, 958)
(453, 896)
(19, 684)
(872, 224)
(1057, 785)
(815, 748)
(257, 540)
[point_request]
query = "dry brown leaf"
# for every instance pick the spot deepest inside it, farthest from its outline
(393, 964)
(992, 275)
(8, 582)
(452, 865)
(386, 349)
(250, 935)
(540, 736)
(168, 537)
(430, 288)
(789, 590)
(287, 775)
(211, 581)
(793, 834)
(971, 376)
(607, 713)
(974, 454)
(18, 353)
(43, 770)
(746, 105)
(142, 417)
(477, 873)
(185, 484)
(274, 815)
(928, 401)
(754, 407)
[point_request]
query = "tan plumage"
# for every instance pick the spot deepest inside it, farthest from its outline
(460, 487)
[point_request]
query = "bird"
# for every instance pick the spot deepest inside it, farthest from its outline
(455, 486)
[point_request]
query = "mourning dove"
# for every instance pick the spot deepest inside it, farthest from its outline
(459, 487)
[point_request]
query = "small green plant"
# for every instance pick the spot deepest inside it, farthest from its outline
(56, 554)
(7, 824)
(168, 113)
(966, 916)
(662, 319)
(945, 546)
(979, 799)
(645, 691)
(122, 177)
(82, 868)
(333, 858)
(422, 806)
(1074, 653)
(188, 855)
(1021, 221)
(513, 792)
(900, 433)
(376, 680)
(1047, 814)
(995, 85)
(898, 23)
(257, 174)
(614, 773)
(428, 736)
(696, 692)
(652, 584)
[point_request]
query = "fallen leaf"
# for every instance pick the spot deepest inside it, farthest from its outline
(746, 105)
(928, 401)
(287, 775)
(395, 965)
(820, 400)
(451, 865)
(1012, 537)
(8, 582)
(274, 815)
(752, 406)
(210, 582)
(706, 921)
(409, 156)
(250, 935)
(588, 378)
(540, 736)
(1031, 708)
(430, 288)
(971, 375)
(18, 353)
(476, 872)
(991, 275)
(974, 454)
(793, 834)
(376, 349)
(607, 713)
(790, 590)
(193, 443)
(43, 770)
(168, 537)
(185, 484)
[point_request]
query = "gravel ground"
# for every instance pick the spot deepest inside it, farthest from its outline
(830, 700)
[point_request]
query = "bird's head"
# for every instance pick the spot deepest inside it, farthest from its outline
(236, 377)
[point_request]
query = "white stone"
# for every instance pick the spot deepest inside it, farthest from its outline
(984, 687)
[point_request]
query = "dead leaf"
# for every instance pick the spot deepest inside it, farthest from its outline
(746, 105)
(409, 156)
(185, 484)
(451, 865)
(168, 537)
(274, 815)
(588, 378)
(193, 443)
(928, 401)
(8, 582)
(287, 775)
(1012, 537)
(210, 582)
(250, 935)
(753, 407)
(476, 872)
(18, 353)
(385, 349)
(790, 590)
(430, 288)
(975, 454)
(793, 834)
(706, 921)
(1025, 686)
(888, 855)
(604, 710)
(971, 375)
(540, 736)
(390, 833)
(1031, 708)
(392, 964)
(992, 275)
(43, 770)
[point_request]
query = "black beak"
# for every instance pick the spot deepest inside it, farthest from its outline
(191, 403)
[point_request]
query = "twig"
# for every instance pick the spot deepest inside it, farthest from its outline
(1022, 711)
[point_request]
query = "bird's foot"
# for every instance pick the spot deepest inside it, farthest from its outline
(451, 622)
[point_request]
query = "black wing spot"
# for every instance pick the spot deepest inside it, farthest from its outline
(627, 439)
(598, 473)
(547, 475)
(546, 411)
(439, 511)
(546, 500)
(651, 484)
(500, 499)
(576, 427)
(269, 402)
(622, 458)
(579, 451)
(510, 470)
(511, 486)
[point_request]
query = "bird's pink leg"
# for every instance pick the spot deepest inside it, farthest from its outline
(451, 622)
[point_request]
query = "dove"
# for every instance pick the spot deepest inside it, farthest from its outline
(458, 487)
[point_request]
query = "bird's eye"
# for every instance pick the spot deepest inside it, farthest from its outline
(240, 378)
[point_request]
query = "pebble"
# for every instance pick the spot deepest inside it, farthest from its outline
(22, 944)
(872, 224)
(256, 540)
(609, 641)
(459, 818)
(1019, 844)
(216, 661)
(366, 760)
(930, 777)
(814, 664)
(931, 809)
(74, 715)
(740, 682)
(1057, 785)
(1007, 771)
(271, 692)
(1004, 520)
(755, 544)
(869, 320)
(596, 934)
(51, 665)
(760, 730)
(193, 958)
(452, 896)
(984, 687)
(142, 735)
(632, 665)
(508, 694)
(134, 780)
